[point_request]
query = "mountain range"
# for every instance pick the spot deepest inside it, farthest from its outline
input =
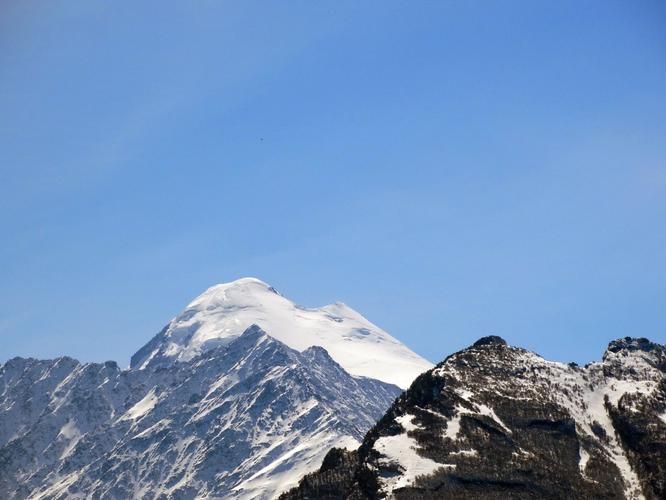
(246, 395)
(237, 397)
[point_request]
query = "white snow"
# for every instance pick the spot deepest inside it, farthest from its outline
(584, 458)
(70, 433)
(69, 430)
(521, 453)
(224, 312)
(468, 453)
(54, 489)
(288, 469)
(453, 426)
(401, 451)
(153, 429)
(141, 408)
(489, 412)
(464, 393)
(406, 422)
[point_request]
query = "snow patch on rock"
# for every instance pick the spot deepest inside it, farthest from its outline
(141, 408)
(400, 452)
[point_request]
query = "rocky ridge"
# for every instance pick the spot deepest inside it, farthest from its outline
(494, 421)
(242, 420)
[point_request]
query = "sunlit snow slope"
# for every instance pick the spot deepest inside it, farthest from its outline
(225, 311)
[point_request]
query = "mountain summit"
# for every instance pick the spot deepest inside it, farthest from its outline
(223, 312)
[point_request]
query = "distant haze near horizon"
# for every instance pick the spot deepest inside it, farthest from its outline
(449, 170)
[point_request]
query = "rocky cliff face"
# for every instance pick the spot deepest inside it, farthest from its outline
(494, 421)
(241, 420)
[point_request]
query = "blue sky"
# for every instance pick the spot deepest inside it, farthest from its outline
(449, 169)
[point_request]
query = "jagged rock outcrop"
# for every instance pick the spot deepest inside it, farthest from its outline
(494, 421)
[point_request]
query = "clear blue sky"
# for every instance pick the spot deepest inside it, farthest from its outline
(450, 169)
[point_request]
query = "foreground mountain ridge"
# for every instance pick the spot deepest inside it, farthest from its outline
(494, 421)
(225, 311)
(243, 420)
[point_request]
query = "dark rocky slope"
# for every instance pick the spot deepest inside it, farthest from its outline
(494, 421)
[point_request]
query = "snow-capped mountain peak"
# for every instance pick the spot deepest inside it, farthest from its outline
(223, 312)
